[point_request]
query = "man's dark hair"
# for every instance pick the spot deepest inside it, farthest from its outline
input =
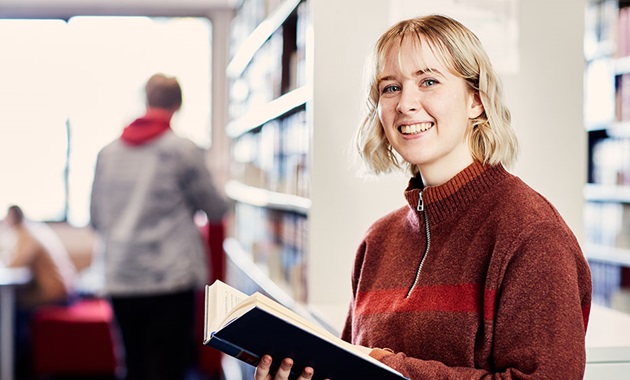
(163, 92)
(18, 214)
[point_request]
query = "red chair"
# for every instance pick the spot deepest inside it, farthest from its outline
(81, 339)
(75, 340)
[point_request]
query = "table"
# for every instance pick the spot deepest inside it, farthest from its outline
(10, 278)
(607, 344)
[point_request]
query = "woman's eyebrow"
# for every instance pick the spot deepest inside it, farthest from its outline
(418, 73)
(428, 70)
(385, 78)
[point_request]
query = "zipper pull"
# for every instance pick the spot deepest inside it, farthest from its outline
(420, 206)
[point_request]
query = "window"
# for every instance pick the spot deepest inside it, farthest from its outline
(69, 88)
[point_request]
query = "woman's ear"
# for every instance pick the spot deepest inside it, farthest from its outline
(476, 106)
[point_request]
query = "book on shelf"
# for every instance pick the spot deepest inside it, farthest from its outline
(248, 327)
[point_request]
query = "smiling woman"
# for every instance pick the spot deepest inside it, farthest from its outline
(68, 88)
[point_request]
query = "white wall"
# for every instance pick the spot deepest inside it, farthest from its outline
(545, 97)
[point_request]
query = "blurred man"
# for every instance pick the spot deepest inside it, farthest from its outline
(148, 184)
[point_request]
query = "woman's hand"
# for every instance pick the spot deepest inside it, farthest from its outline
(263, 368)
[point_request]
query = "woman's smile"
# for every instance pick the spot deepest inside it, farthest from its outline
(414, 129)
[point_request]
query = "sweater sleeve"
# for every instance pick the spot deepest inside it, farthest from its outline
(540, 316)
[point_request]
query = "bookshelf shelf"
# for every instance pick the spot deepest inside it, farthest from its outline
(610, 255)
(259, 115)
(619, 129)
(269, 199)
(258, 37)
(607, 121)
(622, 65)
(607, 193)
(270, 134)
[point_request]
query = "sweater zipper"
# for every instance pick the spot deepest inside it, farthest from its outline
(421, 208)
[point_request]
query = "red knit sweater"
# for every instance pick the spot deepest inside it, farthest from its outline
(504, 292)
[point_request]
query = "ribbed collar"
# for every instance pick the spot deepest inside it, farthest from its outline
(447, 199)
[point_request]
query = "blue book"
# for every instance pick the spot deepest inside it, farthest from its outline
(248, 327)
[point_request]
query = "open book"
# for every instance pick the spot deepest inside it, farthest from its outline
(248, 327)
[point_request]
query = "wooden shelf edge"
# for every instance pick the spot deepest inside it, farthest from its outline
(611, 255)
(258, 116)
(258, 37)
(620, 129)
(606, 193)
(622, 65)
(240, 192)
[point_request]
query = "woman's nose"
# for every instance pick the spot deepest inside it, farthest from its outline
(408, 101)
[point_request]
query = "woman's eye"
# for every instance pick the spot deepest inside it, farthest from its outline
(390, 88)
(429, 82)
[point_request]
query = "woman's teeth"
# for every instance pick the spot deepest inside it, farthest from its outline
(415, 128)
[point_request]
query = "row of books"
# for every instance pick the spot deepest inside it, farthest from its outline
(261, 82)
(611, 162)
(275, 157)
(606, 45)
(622, 97)
(600, 31)
(278, 66)
(607, 93)
(606, 280)
(607, 225)
(623, 32)
(607, 29)
(277, 242)
(250, 14)
(599, 91)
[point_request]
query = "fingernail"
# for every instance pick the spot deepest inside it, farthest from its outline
(308, 373)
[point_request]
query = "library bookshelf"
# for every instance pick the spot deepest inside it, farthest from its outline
(607, 121)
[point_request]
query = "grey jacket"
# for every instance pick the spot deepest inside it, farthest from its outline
(143, 201)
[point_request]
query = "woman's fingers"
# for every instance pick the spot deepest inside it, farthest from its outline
(307, 374)
(263, 368)
(285, 369)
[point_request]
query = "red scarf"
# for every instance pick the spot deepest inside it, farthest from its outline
(148, 127)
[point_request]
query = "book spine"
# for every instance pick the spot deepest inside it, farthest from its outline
(233, 350)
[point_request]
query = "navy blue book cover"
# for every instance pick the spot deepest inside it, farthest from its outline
(258, 332)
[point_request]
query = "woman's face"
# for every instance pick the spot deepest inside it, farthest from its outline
(425, 111)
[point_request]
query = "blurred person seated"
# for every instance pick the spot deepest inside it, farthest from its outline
(34, 245)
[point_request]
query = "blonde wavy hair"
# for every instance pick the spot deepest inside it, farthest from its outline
(491, 137)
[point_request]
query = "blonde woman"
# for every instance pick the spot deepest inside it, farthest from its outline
(478, 277)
